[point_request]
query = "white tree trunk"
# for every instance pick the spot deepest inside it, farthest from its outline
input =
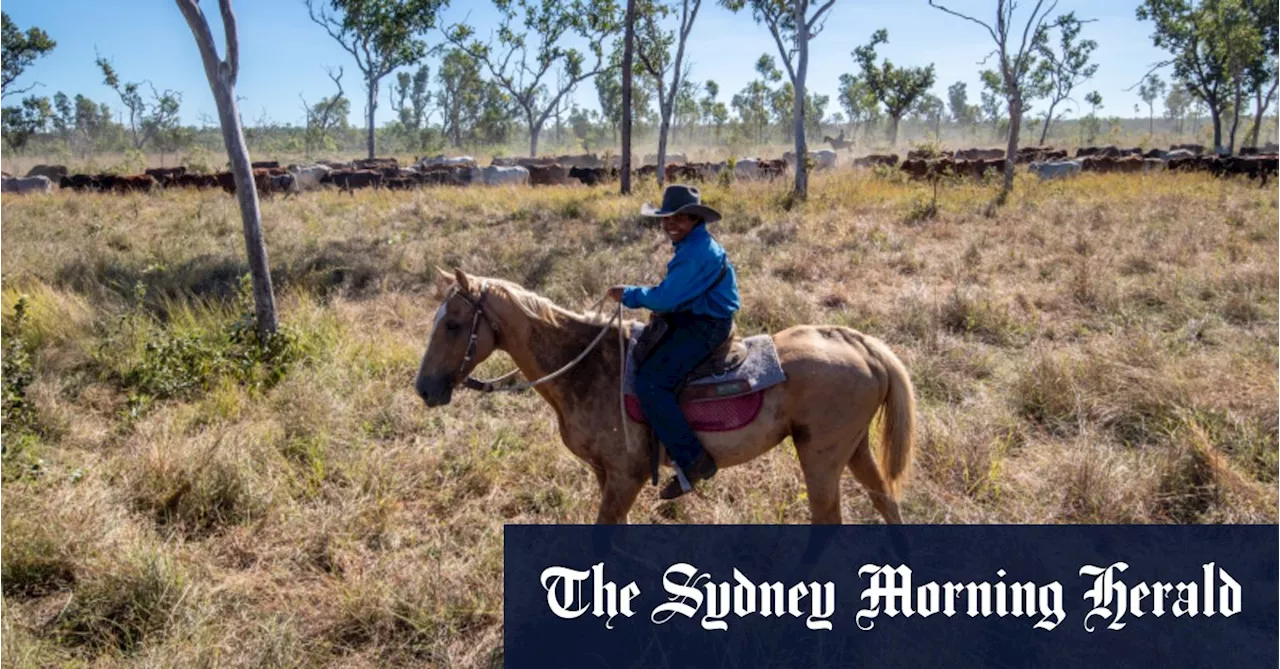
(798, 84)
(629, 39)
(222, 80)
(373, 108)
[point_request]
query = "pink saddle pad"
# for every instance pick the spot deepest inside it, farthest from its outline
(721, 414)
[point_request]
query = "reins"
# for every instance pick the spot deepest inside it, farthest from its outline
(491, 385)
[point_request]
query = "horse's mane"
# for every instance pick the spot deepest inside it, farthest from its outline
(538, 307)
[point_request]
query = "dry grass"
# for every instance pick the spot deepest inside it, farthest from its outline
(1100, 351)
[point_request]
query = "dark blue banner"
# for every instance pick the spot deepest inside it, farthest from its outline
(917, 596)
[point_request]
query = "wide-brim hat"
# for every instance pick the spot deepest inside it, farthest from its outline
(681, 199)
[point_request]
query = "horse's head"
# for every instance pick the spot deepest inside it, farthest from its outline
(462, 336)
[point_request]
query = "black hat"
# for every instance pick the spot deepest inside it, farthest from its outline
(680, 199)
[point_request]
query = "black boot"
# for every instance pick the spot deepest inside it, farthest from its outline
(703, 468)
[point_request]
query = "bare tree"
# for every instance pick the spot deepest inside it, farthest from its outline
(1016, 61)
(380, 36)
(222, 79)
(655, 58)
(326, 115)
(520, 62)
(791, 21)
(628, 49)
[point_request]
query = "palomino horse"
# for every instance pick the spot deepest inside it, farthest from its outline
(837, 380)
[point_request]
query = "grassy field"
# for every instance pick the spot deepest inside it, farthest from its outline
(1101, 350)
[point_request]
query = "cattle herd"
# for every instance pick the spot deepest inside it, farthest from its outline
(270, 178)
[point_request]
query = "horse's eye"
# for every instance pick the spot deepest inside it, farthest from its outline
(452, 327)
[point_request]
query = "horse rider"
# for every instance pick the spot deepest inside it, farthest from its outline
(697, 299)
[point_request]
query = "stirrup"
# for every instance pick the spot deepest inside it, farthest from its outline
(685, 486)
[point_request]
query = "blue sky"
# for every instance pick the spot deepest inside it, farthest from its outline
(284, 54)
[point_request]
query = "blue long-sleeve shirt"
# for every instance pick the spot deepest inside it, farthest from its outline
(696, 265)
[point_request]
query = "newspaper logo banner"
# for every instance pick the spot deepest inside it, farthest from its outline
(939, 596)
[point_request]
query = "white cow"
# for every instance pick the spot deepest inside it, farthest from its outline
(1179, 153)
(1056, 170)
(455, 161)
(746, 168)
(504, 176)
(306, 178)
(22, 185)
(824, 159)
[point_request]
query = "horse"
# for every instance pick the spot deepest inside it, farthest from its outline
(838, 143)
(838, 379)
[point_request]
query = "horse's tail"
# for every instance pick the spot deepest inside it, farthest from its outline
(898, 423)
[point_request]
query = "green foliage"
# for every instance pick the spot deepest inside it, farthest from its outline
(897, 88)
(522, 60)
(962, 112)
(20, 50)
(155, 119)
(19, 414)
(18, 124)
(1062, 69)
(381, 35)
(180, 363)
(1216, 45)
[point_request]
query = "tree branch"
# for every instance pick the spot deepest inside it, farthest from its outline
(809, 25)
(232, 60)
(1163, 63)
(966, 17)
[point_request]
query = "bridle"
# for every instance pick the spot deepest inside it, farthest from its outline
(491, 385)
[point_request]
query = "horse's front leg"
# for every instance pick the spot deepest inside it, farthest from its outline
(618, 491)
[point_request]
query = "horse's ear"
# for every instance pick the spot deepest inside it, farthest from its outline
(461, 279)
(443, 282)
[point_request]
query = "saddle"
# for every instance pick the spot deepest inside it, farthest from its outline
(724, 360)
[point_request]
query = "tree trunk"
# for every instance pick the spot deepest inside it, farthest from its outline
(373, 107)
(222, 79)
(893, 129)
(1048, 118)
(533, 139)
(663, 127)
(629, 39)
(798, 84)
(1216, 116)
(1235, 116)
(1011, 150)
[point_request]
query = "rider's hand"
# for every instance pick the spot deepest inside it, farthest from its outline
(615, 293)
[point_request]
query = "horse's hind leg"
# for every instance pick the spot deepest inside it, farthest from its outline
(821, 464)
(864, 468)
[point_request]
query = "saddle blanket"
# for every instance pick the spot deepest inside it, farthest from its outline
(718, 403)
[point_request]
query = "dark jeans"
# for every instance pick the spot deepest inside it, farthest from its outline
(689, 340)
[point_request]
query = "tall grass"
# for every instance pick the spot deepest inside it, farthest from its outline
(1101, 350)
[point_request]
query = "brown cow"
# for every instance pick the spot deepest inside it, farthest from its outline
(647, 171)
(581, 160)
(773, 169)
(166, 175)
(591, 176)
(378, 164)
(547, 175)
(53, 172)
(135, 183)
(689, 172)
(264, 164)
(979, 154)
(888, 160)
(351, 180)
